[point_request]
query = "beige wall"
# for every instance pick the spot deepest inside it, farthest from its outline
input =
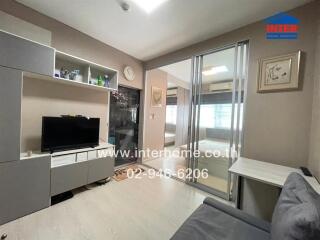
(154, 117)
(71, 41)
(183, 108)
(314, 157)
(277, 125)
(42, 98)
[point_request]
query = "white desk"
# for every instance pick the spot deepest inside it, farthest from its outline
(259, 184)
(268, 173)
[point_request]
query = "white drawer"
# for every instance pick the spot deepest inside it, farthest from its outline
(92, 155)
(107, 152)
(63, 160)
(81, 157)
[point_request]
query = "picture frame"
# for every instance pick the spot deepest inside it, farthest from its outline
(156, 97)
(280, 73)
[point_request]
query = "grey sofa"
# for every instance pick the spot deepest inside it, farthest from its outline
(296, 217)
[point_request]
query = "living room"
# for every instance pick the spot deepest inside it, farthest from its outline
(90, 90)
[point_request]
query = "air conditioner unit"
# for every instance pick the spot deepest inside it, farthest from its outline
(172, 92)
(224, 86)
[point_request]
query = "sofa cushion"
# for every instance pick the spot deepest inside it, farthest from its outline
(297, 213)
(209, 223)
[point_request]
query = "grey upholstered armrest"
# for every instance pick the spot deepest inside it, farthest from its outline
(261, 224)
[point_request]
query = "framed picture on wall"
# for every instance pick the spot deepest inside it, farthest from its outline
(279, 73)
(156, 97)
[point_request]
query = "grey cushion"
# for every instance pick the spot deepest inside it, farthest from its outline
(297, 213)
(211, 223)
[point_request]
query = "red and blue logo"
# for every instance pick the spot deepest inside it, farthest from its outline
(282, 26)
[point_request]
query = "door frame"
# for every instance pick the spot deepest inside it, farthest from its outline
(195, 97)
(179, 59)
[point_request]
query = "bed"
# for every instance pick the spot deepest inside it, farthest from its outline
(169, 138)
(217, 165)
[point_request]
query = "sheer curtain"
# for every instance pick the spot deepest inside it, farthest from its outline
(171, 114)
(216, 116)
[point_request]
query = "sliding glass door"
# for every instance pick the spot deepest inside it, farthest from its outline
(215, 123)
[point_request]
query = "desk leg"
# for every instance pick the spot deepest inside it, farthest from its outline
(239, 191)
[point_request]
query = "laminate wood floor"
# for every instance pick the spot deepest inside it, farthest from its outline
(130, 209)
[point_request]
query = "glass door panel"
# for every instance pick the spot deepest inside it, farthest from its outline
(216, 117)
(124, 123)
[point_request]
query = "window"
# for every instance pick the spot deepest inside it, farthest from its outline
(171, 114)
(217, 116)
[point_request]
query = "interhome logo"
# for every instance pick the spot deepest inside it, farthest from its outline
(282, 26)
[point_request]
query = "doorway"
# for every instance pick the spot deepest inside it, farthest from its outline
(124, 124)
(170, 120)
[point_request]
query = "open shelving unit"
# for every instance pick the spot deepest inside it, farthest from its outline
(88, 73)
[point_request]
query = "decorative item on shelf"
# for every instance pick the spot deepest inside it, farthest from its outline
(57, 73)
(93, 81)
(29, 153)
(100, 81)
(156, 97)
(106, 81)
(89, 74)
(64, 73)
(73, 74)
(280, 73)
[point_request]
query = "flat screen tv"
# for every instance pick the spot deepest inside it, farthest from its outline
(65, 133)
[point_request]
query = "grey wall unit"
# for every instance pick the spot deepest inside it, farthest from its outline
(75, 173)
(25, 183)
(68, 177)
(24, 187)
(10, 114)
(25, 55)
(100, 168)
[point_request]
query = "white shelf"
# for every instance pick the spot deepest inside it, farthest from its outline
(69, 82)
(36, 154)
(101, 146)
(89, 71)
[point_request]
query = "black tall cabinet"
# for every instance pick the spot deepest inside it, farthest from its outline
(124, 123)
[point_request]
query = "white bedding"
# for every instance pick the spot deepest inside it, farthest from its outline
(169, 137)
(217, 165)
(211, 145)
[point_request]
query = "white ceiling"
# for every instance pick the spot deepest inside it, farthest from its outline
(175, 24)
(182, 70)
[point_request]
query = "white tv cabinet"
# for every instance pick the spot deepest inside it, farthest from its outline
(76, 168)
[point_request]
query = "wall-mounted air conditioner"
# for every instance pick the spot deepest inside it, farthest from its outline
(224, 86)
(172, 92)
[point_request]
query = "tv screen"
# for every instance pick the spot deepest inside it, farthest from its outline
(63, 133)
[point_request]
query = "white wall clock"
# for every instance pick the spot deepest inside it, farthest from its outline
(129, 73)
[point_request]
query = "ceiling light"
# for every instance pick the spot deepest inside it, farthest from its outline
(215, 70)
(125, 6)
(149, 5)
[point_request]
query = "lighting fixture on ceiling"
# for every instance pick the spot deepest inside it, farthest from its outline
(215, 70)
(149, 5)
(125, 6)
